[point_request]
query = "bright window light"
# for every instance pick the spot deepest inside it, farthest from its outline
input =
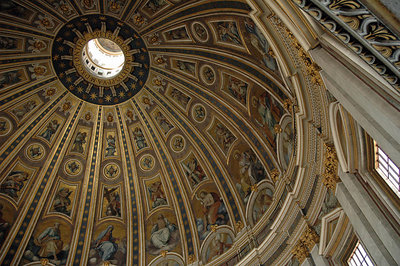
(359, 257)
(389, 171)
(103, 58)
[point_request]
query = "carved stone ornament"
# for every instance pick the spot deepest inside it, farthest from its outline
(306, 243)
(239, 226)
(275, 175)
(331, 167)
(191, 259)
(363, 32)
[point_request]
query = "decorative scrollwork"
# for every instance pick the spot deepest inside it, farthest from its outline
(307, 241)
(360, 30)
(331, 167)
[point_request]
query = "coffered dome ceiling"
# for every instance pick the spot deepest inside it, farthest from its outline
(192, 153)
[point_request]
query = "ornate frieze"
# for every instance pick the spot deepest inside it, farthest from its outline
(361, 31)
(331, 167)
(305, 244)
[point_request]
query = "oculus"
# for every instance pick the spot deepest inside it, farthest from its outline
(101, 60)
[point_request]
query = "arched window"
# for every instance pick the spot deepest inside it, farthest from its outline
(387, 169)
(359, 257)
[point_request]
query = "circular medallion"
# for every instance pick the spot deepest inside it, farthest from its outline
(199, 113)
(111, 170)
(73, 167)
(5, 126)
(101, 60)
(177, 143)
(207, 74)
(146, 162)
(200, 31)
(35, 152)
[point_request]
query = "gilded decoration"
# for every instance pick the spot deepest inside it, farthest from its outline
(307, 241)
(361, 31)
(68, 48)
(330, 174)
(97, 172)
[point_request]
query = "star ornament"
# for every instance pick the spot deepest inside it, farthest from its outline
(93, 95)
(108, 98)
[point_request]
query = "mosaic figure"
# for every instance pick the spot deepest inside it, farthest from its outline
(261, 204)
(113, 198)
(213, 212)
(228, 32)
(35, 152)
(193, 170)
(237, 89)
(157, 195)
(111, 146)
(223, 137)
(9, 78)
(177, 143)
(4, 226)
(50, 242)
(8, 43)
(218, 246)
(261, 44)
(199, 113)
(251, 172)
(62, 201)
(105, 244)
(187, 67)
(21, 111)
(80, 140)
(164, 236)
(270, 113)
(177, 34)
(208, 75)
(139, 138)
(153, 6)
(180, 97)
(162, 121)
(200, 31)
(50, 130)
(14, 183)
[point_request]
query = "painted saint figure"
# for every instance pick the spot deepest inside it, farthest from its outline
(270, 113)
(21, 111)
(51, 128)
(193, 171)
(139, 138)
(238, 89)
(251, 172)
(261, 44)
(105, 244)
(14, 183)
(164, 236)
(261, 204)
(163, 122)
(62, 201)
(114, 202)
(50, 242)
(4, 227)
(225, 138)
(9, 78)
(79, 141)
(186, 67)
(228, 32)
(110, 149)
(157, 194)
(213, 212)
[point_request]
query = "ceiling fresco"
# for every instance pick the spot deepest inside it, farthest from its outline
(166, 163)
